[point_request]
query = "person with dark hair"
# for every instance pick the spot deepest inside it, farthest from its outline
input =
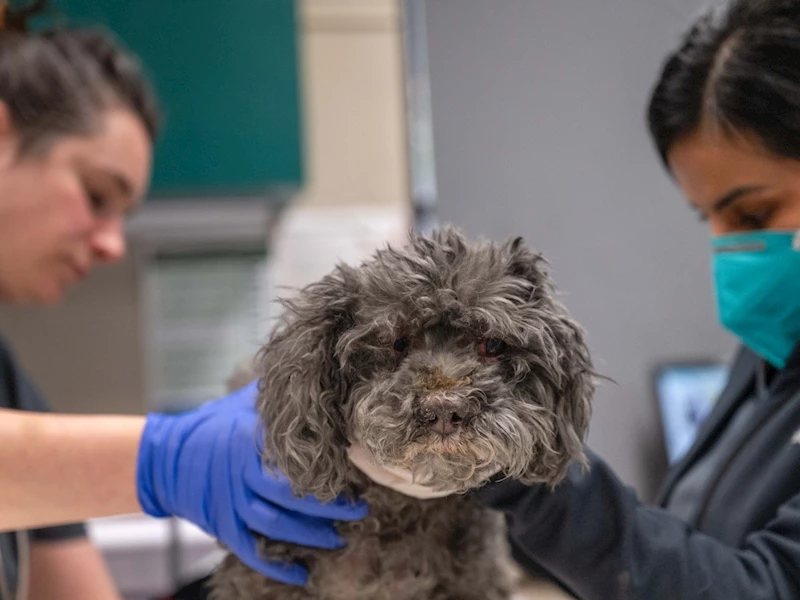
(725, 118)
(77, 125)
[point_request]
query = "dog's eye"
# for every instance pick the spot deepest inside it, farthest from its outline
(400, 345)
(491, 348)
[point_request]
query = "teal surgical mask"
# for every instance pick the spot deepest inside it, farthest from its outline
(757, 280)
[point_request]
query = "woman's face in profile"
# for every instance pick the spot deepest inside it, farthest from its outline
(62, 208)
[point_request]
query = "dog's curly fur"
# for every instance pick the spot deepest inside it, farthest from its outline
(381, 355)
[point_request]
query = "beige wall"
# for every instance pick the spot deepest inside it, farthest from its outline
(86, 353)
(354, 103)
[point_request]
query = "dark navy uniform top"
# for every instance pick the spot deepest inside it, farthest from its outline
(17, 391)
(726, 524)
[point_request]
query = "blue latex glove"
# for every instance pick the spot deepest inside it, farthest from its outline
(204, 466)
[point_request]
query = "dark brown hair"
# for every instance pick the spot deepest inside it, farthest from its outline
(60, 81)
(739, 67)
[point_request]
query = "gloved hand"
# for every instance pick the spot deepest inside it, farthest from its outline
(204, 466)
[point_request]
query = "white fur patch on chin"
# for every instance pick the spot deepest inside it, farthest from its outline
(399, 480)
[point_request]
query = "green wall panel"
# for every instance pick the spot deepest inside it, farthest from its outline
(226, 72)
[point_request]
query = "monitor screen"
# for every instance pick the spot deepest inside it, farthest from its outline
(686, 393)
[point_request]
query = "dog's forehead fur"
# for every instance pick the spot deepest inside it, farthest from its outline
(442, 280)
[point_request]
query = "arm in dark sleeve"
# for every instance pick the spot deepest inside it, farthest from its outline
(593, 535)
(23, 395)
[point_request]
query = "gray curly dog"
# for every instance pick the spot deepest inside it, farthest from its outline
(450, 360)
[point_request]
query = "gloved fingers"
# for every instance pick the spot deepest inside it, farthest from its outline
(285, 526)
(277, 489)
(288, 573)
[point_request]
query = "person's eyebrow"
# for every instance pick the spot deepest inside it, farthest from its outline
(734, 195)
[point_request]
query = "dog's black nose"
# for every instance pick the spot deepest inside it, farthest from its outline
(444, 418)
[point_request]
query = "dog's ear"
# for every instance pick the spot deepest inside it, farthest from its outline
(523, 262)
(572, 403)
(571, 374)
(303, 388)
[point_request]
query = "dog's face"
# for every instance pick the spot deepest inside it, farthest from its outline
(449, 360)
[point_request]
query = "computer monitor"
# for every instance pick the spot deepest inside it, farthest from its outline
(685, 394)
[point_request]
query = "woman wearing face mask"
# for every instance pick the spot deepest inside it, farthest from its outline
(77, 123)
(725, 117)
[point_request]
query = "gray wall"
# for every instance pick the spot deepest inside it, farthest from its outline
(539, 130)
